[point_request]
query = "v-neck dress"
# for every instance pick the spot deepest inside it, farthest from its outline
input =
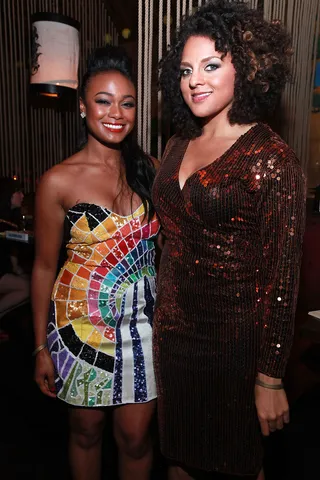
(227, 292)
(100, 325)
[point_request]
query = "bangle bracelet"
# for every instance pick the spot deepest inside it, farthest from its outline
(38, 349)
(268, 385)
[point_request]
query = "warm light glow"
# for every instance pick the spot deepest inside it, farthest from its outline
(15, 177)
(108, 38)
(126, 32)
(44, 94)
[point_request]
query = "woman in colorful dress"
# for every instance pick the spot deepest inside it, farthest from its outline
(230, 195)
(96, 350)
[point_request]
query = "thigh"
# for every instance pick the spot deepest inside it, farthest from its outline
(86, 421)
(134, 420)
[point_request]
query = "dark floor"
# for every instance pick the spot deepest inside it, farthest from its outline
(33, 428)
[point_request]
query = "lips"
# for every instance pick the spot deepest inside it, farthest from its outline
(114, 127)
(200, 97)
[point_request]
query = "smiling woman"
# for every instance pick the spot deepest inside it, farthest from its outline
(207, 82)
(112, 110)
(230, 196)
(96, 351)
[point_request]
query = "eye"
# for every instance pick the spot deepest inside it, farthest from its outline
(212, 67)
(103, 101)
(129, 105)
(184, 72)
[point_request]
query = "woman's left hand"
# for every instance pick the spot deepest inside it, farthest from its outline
(272, 405)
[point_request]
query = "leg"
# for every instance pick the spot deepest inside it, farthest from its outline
(133, 437)
(261, 475)
(86, 428)
(14, 289)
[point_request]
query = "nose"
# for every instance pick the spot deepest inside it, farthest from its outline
(115, 111)
(196, 78)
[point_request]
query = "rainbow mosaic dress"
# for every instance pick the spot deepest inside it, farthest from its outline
(100, 325)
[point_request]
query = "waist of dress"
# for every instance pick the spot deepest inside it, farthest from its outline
(105, 267)
(142, 255)
(219, 261)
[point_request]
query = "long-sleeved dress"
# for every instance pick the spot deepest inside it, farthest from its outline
(227, 292)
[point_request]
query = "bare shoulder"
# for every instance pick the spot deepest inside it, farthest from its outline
(53, 179)
(55, 182)
(62, 172)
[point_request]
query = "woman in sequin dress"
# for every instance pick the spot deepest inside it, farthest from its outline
(230, 196)
(97, 349)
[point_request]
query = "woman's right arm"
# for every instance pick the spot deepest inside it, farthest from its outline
(49, 220)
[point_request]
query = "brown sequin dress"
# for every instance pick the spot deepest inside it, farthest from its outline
(227, 292)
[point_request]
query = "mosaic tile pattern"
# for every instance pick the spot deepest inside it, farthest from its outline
(100, 326)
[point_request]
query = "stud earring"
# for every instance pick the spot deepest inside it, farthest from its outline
(83, 115)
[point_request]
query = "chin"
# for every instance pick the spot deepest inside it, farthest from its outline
(112, 139)
(205, 111)
(202, 113)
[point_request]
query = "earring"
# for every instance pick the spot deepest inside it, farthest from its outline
(83, 114)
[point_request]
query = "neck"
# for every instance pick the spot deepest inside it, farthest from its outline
(218, 125)
(102, 153)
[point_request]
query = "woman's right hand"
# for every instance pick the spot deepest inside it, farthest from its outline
(44, 373)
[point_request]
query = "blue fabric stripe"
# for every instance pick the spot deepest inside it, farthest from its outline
(139, 371)
(118, 366)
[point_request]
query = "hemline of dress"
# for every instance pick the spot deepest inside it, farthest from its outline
(109, 404)
(178, 463)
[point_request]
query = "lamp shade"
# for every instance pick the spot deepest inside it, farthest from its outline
(55, 54)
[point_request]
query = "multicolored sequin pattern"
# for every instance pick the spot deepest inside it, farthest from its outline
(100, 327)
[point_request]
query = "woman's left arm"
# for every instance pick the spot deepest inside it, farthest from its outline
(282, 228)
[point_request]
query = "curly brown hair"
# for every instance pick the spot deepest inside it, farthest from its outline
(260, 52)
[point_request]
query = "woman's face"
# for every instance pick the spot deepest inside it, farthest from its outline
(207, 78)
(110, 106)
(17, 199)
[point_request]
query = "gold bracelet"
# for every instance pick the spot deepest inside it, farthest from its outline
(268, 385)
(38, 349)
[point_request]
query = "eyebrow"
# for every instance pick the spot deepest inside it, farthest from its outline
(203, 60)
(112, 95)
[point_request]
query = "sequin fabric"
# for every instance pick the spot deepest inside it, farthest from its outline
(100, 326)
(227, 292)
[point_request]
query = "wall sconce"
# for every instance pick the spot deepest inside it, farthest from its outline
(55, 55)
